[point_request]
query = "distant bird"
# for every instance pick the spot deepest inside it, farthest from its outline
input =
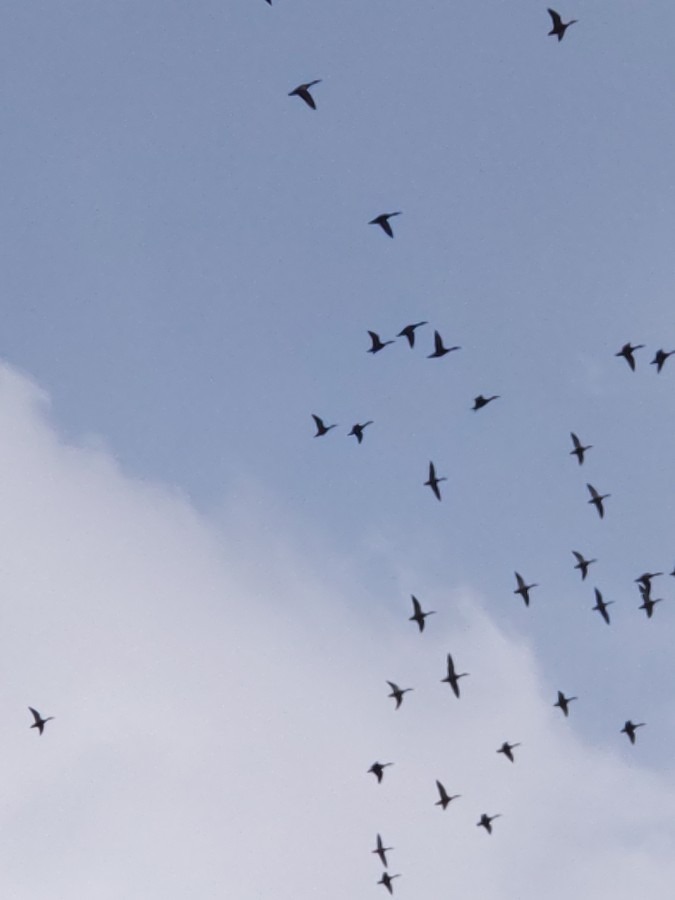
(409, 332)
(377, 769)
(397, 693)
(383, 221)
(627, 352)
(439, 349)
(523, 589)
(645, 580)
(39, 721)
(648, 604)
(582, 564)
(377, 344)
(629, 729)
(321, 429)
(419, 616)
(357, 431)
(563, 702)
(433, 481)
(660, 358)
(480, 401)
(559, 27)
(486, 821)
(601, 605)
(445, 797)
(453, 677)
(579, 449)
(507, 750)
(381, 851)
(386, 880)
(596, 500)
(673, 572)
(302, 90)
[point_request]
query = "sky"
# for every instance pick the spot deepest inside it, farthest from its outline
(208, 599)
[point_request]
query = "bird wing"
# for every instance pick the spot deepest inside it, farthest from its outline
(416, 605)
(395, 688)
(318, 421)
(384, 222)
(575, 441)
(36, 715)
(451, 667)
(438, 343)
(520, 580)
(557, 21)
(441, 790)
(306, 96)
(432, 472)
(594, 494)
(375, 338)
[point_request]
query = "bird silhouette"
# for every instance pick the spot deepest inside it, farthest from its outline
(409, 332)
(397, 693)
(648, 604)
(523, 589)
(39, 722)
(302, 90)
(601, 605)
(445, 797)
(453, 677)
(386, 880)
(439, 349)
(321, 429)
(377, 344)
(559, 27)
(627, 352)
(507, 750)
(381, 851)
(579, 449)
(377, 769)
(660, 358)
(480, 401)
(419, 616)
(383, 221)
(596, 500)
(582, 564)
(486, 821)
(644, 582)
(629, 729)
(433, 481)
(563, 702)
(357, 431)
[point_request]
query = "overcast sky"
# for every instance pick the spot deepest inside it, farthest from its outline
(208, 599)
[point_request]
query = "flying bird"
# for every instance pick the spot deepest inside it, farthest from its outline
(433, 481)
(321, 429)
(381, 851)
(582, 564)
(377, 344)
(627, 352)
(377, 769)
(563, 703)
(660, 358)
(629, 729)
(445, 797)
(523, 589)
(383, 221)
(559, 27)
(409, 332)
(357, 431)
(453, 677)
(480, 401)
(507, 750)
(596, 500)
(386, 880)
(645, 581)
(486, 821)
(419, 616)
(397, 693)
(439, 349)
(601, 605)
(648, 604)
(39, 722)
(302, 90)
(579, 449)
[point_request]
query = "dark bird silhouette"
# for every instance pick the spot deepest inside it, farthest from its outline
(377, 769)
(596, 500)
(601, 605)
(381, 851)
(409, 332)
(673, 573)
(377, 344)
(397, 693)
(419, 616)
(579, 449)
(486, 821)
(648, 604)
(383, 221)
(439, 349)
(39, 722)
(507, 750)
(523, 589)
(386, 880)
(563, 703)
(357, 431)
(445, 797)
(433, 481)
(645, 581)
(559, 27)
(302, 90)
(629, 729)
(582, 564)
(660, 358)
(321, 429)
(453, 677)
(627, 352)
(480, 401)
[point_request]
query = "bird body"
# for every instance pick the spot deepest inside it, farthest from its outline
(439, 348)
(452, 678)
(386, 880)
(627, 352)
(480, 401)
(39, 722)
(445, 797)
(486, 821)
(433, 481)
(563, 702)
(582, 564)
(507, 750)
(377, 770)
(302, 91)
(321, 428)
(523, 589)
(419, 616)
(409, 332)
(601, 605)
(596, 500)
(377, 344)
(397, 693)
(559, 27)
(383, 221)
(357, 430)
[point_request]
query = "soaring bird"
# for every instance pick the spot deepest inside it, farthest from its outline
(660, 358)
(627, 352)
(302, 90)
(386, 880)
(629, 729)
(563, 703)
(409, 332)
(601, 605)
(645, 581)
(439, 349)
(480, 401)
(453, 677)
(377, 769)
(377, 344)
(445, 797)
(383, 221)
(579, 449)
(486, 821)
(596, 500)
(648, 604)
(523, 589)
(419, 616)
(559, 27)
(397, 693)
(507, 750)
(321, 429)
(433, 481)
(582, 564)
(357, 431)
(381, 851)
(39, 722)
